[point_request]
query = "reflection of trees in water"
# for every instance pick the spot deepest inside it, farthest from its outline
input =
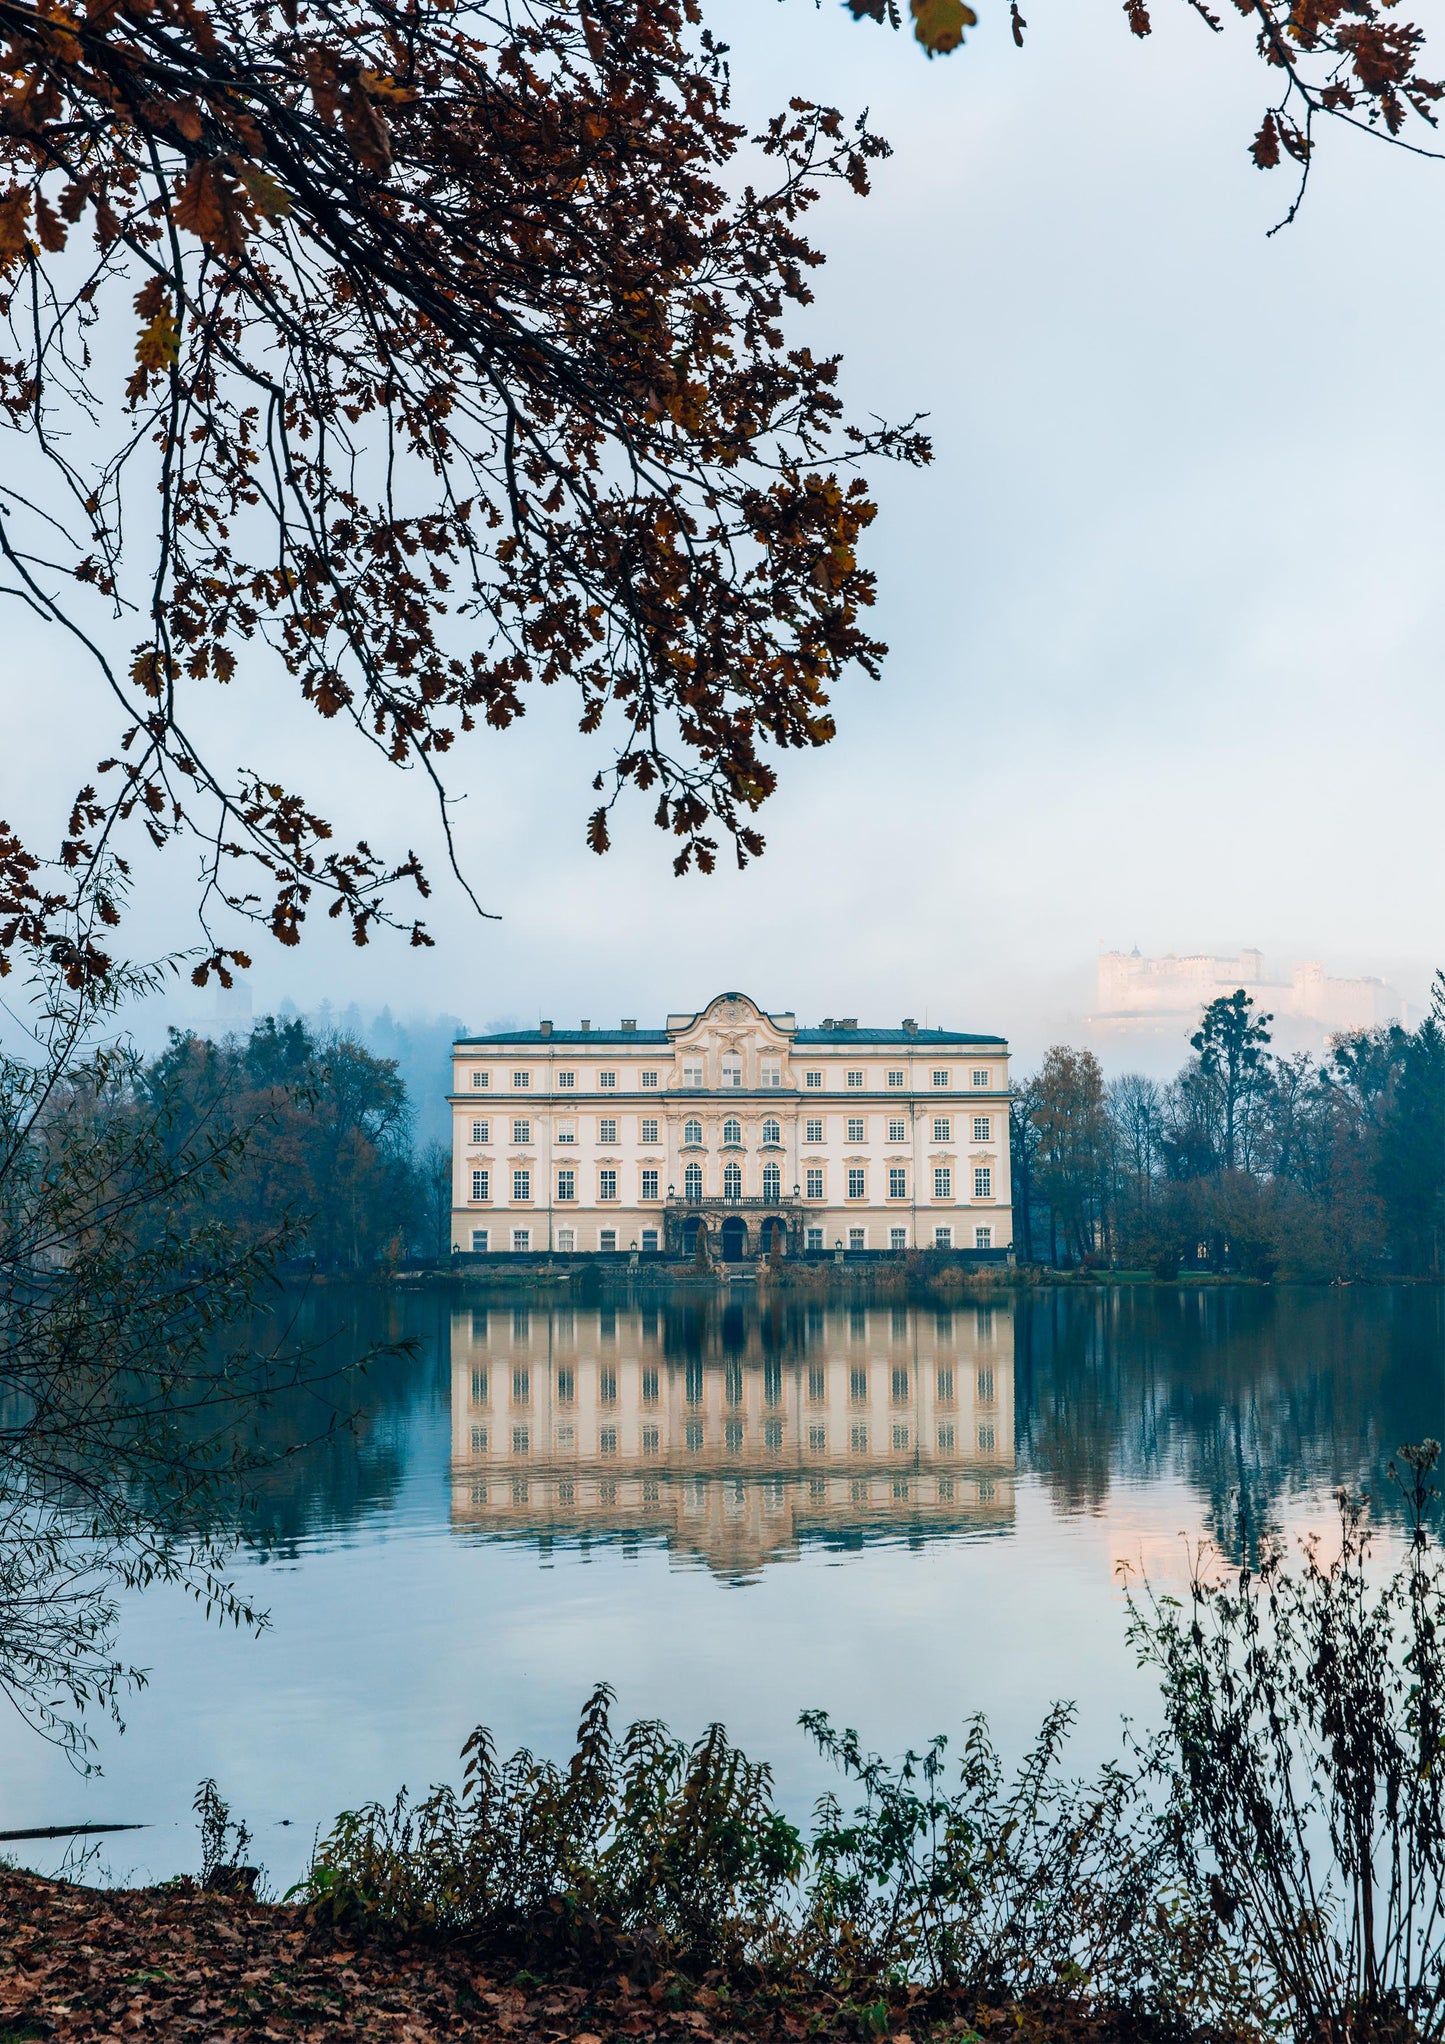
(1236, 1394)
(361, 1424)
(1248, 1397)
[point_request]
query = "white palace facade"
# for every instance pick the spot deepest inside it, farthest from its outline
(735, 1122)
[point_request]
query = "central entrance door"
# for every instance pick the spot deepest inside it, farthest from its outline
(734, 1239)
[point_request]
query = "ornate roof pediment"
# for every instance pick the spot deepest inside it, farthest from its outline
(730, 1021)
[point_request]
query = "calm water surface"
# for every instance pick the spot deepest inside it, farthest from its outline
(903, 1514)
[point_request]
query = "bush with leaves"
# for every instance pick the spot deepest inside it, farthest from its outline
(1305, 1714)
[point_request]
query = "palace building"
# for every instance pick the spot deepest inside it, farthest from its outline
(736, 1122)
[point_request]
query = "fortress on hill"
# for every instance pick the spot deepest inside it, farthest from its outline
(1164, 996)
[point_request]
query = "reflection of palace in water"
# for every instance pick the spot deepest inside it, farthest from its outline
(735, 1444)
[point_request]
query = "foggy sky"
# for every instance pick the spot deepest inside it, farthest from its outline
(1165, 614)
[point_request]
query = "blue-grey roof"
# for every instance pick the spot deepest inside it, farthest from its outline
(931, 1039)
(934, 1038)
(503, 1037)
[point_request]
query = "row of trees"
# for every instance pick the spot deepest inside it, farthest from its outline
(325, 1145)
(1246, 1160)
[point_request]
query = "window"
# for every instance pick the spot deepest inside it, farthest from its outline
(940, 1078)
(898, 1131)
(521, 1239)
(772, 1182)
(942, 1129)
(896, 1078)
(942, 1182)
(945, 1440)
(649, 1184)
(521, 1185)
(692, 1436)
(770, 1074)
(649, 1237)
(897, 1183)
(943, 1238)
(814, 1187)
(566, 1132)
(692, 1131)
(566, 1080)
(607, 1441)
(731, 1073)
(481, 1185)
(945, 1383)
(692, 1182)
(813, 1080)
(607, 1081)
(815, 1235)
(567, 1184)
(855, 1130)
(855, 1079)
(521, 1387)
(692, 1075)
(607, 1185)
(897, 1238)
(986, 1390)
(649, 1131)
(521, 1441)
(857, 1184)
(983, 1238)
(566, 1241)
(607, 1386)
(481, 1081)
(650, 1440)
(857, 1238)
(900, 1387)
(607, 1130)
(983, 1182)
(817, 1440)
(479, 1241)
(481, 1132)
(732, 1181)
(900, 1437)
(732, 1131)
(980, 1128)
(980, 1078)
(607, 1241)
(986, 1440)
(858, 1440)
(772, 1131)
(649, 1081)
(521, 1131)
(813, 1131)
(521, 1081)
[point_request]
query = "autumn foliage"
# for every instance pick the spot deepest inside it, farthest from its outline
(417, 353)
(453, 370)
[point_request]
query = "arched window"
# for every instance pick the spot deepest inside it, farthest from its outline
(692, 1131)
(772, 1133)
(732, 1131)
(772, 1182)
(692, 1181)
(732, 1181)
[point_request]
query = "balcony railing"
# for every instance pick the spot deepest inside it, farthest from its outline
(738, 1200)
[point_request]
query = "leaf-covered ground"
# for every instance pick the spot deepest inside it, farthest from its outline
(175, 1963)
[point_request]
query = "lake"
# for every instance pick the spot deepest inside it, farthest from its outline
(731, 1510)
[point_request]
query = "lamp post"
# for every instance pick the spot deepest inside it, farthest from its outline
(838, 1250)
(632, 1259)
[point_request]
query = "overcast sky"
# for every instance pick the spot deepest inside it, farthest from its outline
(1165, 615)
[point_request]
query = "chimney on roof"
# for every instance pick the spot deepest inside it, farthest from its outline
(910, 1025)
(586, 1025)
(849, 1022)
(629, 1021)
(828, 1022)
(546, 1028)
